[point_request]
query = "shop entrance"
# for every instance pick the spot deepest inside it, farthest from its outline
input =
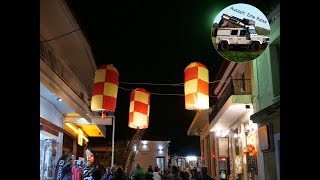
(48, 152)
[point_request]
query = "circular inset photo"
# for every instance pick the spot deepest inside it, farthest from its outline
(240, 32)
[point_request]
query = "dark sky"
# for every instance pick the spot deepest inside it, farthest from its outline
(153, 41)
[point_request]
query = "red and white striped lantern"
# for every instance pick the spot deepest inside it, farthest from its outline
(105, 89)
(196, 87)
(139, 109)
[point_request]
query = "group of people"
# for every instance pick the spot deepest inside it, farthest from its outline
(170, 173)
(76, 171)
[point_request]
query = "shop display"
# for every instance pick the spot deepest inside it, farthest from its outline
(48, 149)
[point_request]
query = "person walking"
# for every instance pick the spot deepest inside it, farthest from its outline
(119, 174)
(156, 174)
(204, 172)
(138, 173)
(66, 171)
(77, 171)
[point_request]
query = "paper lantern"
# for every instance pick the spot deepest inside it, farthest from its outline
(196, 87)
(139, 109)
(105, 89)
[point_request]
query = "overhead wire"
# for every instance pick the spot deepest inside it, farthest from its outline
(159, 84)
(60, 36)
(155, 93)
(164, 84)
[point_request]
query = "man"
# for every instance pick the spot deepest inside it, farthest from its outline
(138, 173)
(204, 172)
(66, 171)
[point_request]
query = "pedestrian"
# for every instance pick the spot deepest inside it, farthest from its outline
(113, 171)
(66, 171)
(138, 173)
(184, 175)
(167, 174)
(77, 171)
(204, 172)
(174, 172)
(107, 174)
(156, 174)
(119, 174)
(198, 174)
(150, 169)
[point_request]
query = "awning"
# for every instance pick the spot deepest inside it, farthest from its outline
(231, 111)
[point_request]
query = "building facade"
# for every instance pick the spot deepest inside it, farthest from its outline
(151, 153)
(225, 129)
(67, 68)
(240, 132)
(266, 70)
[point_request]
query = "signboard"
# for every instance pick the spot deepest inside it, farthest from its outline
(264, 139)
(80, 137)
(61, 162)
(94, 120)
(223, 147)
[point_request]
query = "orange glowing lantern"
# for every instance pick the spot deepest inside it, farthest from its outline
(196, 87)
(105, 89)
(139, 109)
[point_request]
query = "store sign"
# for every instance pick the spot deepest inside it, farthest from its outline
(80, 137)
(264, 138)
(223, 146)
(60, 164)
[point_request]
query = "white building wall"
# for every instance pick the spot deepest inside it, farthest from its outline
(147, 155)
(50, 113)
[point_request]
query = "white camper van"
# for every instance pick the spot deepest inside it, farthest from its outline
(240, 33)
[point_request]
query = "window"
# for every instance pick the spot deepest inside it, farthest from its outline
(243, 33)
(252, 31)
(48, 149)
(234, 32)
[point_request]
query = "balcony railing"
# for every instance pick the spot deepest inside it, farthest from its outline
(234, 87)
(63, 71)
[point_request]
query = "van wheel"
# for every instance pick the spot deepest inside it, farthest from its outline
(224, 46)
(255, 46)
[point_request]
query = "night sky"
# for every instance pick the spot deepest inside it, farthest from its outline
(152, 42)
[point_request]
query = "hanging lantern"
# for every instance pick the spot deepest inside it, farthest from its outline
(105, 89)
(196, 87)
(139, 109)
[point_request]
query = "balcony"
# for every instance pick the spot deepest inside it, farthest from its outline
(62, 70)
(237, 91)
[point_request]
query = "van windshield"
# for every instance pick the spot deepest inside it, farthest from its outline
(252, 31)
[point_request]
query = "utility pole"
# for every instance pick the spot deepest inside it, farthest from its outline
(113, 130)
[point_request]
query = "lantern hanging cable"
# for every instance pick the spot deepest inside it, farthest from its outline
(163, 94)
(60, 36)
(166, 84)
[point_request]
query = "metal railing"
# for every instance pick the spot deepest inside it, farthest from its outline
(234, 87)
(55, 63)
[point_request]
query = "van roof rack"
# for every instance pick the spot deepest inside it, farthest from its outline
(235, 20)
